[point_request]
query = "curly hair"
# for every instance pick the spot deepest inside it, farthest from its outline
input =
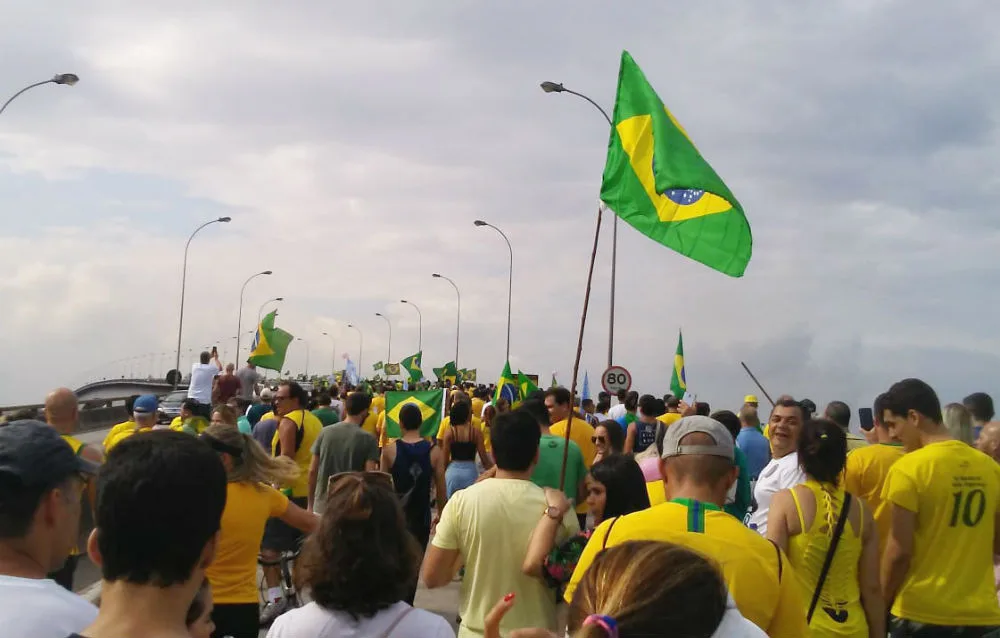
(362, 559)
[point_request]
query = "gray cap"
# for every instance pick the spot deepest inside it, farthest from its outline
(37, 456)
(724, 444)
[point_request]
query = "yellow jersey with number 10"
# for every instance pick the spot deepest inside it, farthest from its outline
(954, 490)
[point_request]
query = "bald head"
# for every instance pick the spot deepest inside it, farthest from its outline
(62, 410)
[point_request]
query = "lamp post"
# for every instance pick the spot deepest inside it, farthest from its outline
(458, 320)
(388, 354)
(333, 358)
(239, 318)
(361, 345)
(69, 79)
(180, 322)
(552, 87)
(307, 354)
(260, 312)
(510, 282)
(420, 325)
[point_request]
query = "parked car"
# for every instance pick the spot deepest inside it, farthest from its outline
(170, 406)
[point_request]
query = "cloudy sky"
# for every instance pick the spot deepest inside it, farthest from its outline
(354, 144)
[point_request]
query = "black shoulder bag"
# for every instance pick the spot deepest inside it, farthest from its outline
(828, 561)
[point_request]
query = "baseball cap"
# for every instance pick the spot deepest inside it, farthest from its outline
(724, 445)
(146, 404)
(36, 454)
(266, 394)
(750, 398)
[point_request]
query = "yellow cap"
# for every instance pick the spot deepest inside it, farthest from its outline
(750, 398)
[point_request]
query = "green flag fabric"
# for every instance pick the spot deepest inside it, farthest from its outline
(554, 384)
(657, 181)
(447, 372)
(378, 365)
(412, 366)
(678, 380)
(391, 369)
(429, 402)
(467, 375)
(270, 344)
(507, 387)
(525, 384)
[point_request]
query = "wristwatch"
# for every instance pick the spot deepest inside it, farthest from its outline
(553, 512)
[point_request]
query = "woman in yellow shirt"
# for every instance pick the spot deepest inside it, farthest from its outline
(250, 501)
(802, 521)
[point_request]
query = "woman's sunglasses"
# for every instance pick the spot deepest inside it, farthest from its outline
(598, 439)
(375, 478)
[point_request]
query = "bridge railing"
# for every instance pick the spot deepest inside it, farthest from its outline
(95, 414)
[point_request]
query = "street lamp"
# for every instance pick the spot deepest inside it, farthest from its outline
(333, 359)
(361, 346)
(420, 325)
(510, 282)
(307, 354)
(458, 321)
(180, 322)
(552, 87)
(69, 79)
(260, 312)
(239, 319)
(388, 355)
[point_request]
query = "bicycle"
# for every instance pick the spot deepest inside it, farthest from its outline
(289, 595)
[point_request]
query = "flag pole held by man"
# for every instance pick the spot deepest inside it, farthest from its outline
(270, 344)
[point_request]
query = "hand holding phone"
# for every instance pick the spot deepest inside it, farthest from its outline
(866, 419)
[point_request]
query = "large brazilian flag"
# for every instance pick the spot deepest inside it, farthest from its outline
(270, 344)
(657, 181)
(429, 402)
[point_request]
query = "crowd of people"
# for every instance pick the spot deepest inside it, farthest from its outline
(633, 515)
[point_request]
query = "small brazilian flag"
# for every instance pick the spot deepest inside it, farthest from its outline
(467, 375)
(657, 181)
(378, 365)
(391, 369)
(678, 381)
(412, 365)
(525, 384)
(448, 372)
(270, 344)
(429, 402)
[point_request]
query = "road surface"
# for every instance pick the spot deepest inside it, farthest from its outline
(442, 601)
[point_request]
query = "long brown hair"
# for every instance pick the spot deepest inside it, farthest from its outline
(362, 559)
(253, 464)
(648, 586)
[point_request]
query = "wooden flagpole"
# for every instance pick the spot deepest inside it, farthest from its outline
(579, 347)
(768, 396)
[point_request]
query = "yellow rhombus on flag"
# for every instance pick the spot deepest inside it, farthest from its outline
(429, 402)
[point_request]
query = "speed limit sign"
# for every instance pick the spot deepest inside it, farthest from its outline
(616, 378)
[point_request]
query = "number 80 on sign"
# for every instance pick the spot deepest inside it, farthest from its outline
(616, 378)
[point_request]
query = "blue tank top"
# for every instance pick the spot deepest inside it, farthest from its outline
(412, 473)
(645, 435)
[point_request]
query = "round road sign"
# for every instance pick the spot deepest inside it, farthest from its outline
(616, 378)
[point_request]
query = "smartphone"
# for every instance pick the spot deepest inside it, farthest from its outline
(215, 350)
(866, 419)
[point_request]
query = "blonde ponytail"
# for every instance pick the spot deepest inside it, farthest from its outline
(253, 464)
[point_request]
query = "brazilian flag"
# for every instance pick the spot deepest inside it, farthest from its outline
(429, 402)
(657, 181)
(678, 381)
(447, 372)
(467, 375)
(507, 387)
(270, 344)
(525, 384)
(412, 366)
(378, 365)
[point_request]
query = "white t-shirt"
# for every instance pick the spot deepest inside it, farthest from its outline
(40, 608)
(312, 621)
(617, 411)
(779, 474)
(200, 388)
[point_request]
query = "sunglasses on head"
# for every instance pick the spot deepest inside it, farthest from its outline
(374, 478)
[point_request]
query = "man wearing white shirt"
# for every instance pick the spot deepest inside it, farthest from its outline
(41, 483)
(783, 471)
(618, 410)
(202, 378)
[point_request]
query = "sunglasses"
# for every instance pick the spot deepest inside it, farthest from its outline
(598, 439)
(375, 478)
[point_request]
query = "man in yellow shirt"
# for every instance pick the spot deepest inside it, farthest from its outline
(118, 428)
(944, 496)
(143, 420)
(698, 466)
(868, 468)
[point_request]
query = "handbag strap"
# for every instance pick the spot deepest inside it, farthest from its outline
(607, 534)
(828, 561)
(399, 618)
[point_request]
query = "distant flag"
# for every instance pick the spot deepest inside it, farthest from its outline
(351, 372)
(378, 365)
(412, 366)
(507, 387)
(678, 381)
(585, 395)
(554, 384)
(391, 369)
(657, 181)
(525, 385)
(467, 375)
(447, 372)
(270, 344)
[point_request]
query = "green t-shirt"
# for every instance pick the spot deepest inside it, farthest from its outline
(550, 456)
(326, 416)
